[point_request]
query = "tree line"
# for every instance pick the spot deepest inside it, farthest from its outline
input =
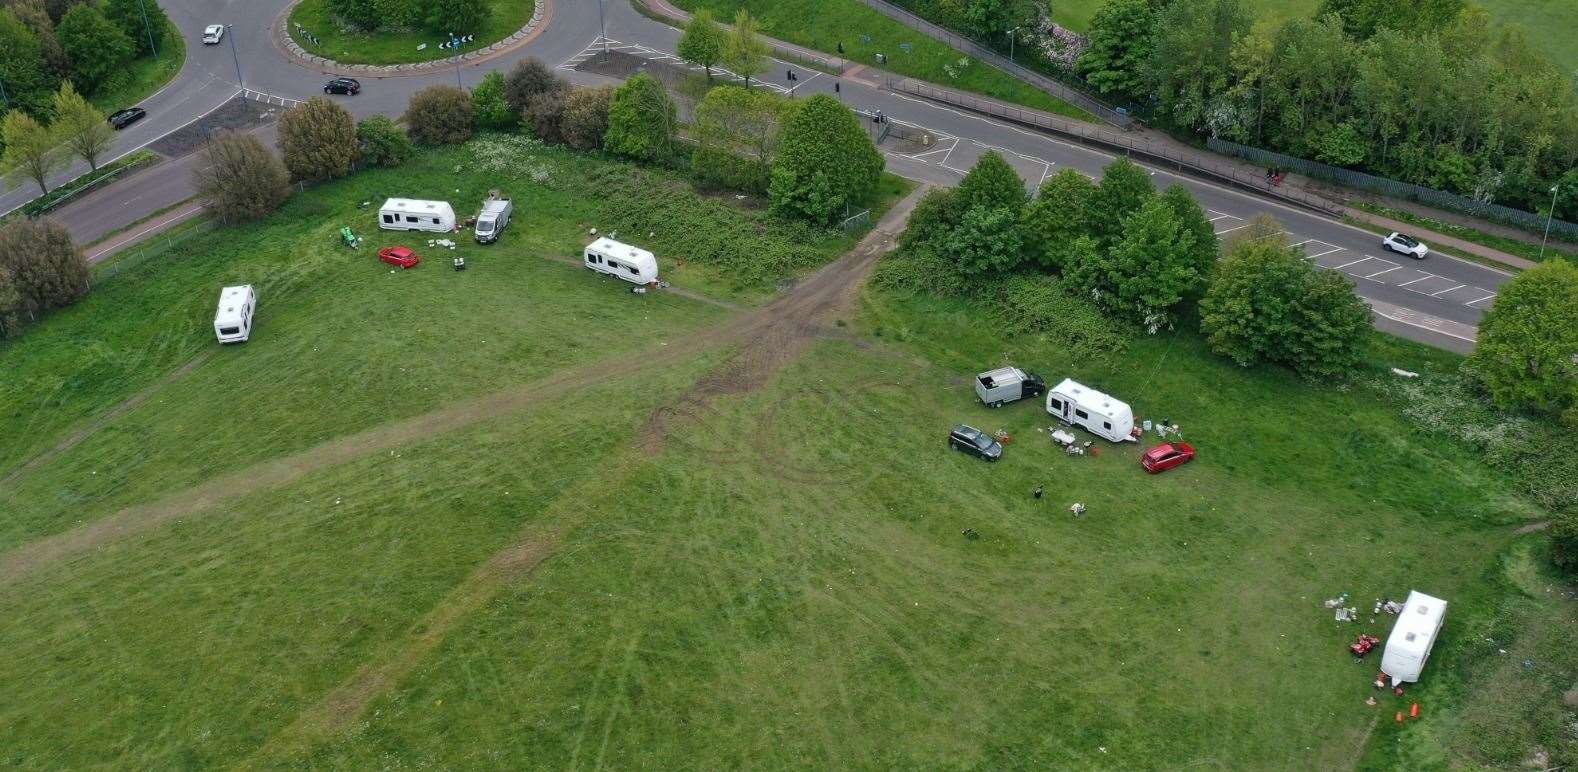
(458, 17)
(86, 42)
(1430, 92)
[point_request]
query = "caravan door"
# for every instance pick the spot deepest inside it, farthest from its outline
(1060, 406)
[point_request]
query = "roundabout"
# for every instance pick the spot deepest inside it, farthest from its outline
(309, 32)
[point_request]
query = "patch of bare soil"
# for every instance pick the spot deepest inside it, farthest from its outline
(76, 437)
(1533, 527)
(239, 113)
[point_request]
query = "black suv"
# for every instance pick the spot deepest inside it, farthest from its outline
(127, 117)
(972, 440)
(342, 86)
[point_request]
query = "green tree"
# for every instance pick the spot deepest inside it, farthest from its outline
(1120, 47)
(528, 78)
(456, 17)
(1191, 66)
(47, 269)
(545, 114)
(32, 152)
(703, 42)
(490, 111)
(1057, 216)
(745, 53)
(238, 179)
(641, 120)
(81, 126)
(584, 124)
(317, 140)
(96, 47)
(1192, 219)
(361, 14)
(439, 115)
(826, 163)
(987, 240)
(28, 85)
(1331, 327)
(143, 21)
(1364, 18)
(992, 183)
(1151, 268)
(933, 218)
(36, 18)
(382, 142)
(737, 132)
(1125, 187)
(1528, 341)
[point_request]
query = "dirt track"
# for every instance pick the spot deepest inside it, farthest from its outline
(772, 336)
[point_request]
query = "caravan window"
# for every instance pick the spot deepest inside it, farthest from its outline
(229, 330)
(632, 269)
(1106, 425)
(389, 219)
(1081, 413)
(410, 218)
(435, 221)
(1056, 404)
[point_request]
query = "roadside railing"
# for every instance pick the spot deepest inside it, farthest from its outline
(1201, 163)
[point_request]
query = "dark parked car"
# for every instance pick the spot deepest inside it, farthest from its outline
(127, 117)
(974, 441)
(342, 86)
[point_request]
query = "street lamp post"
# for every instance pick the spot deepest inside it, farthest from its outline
(1548, 215)
(1011, 43)
(602, 29)
(148, 28)
(230, 33)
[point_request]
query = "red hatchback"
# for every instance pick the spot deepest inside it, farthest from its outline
(401, 256)
(1166, 456)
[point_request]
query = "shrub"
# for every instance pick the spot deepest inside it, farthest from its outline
(456, 16)
(641, 120)
(1038, 305)
(528, 78)
(44, 269)
(923, 271)
(1564, 542)
(489, 108)
(439, 115)
(1124, 188)
(382, 141)
(932, 219)
(143, 22)
(584, 121)
(827, 163)
(317, 140)
(239, 179)
(737, 133)
(545, 115)
(10, 304)
(1145, 274)
(986, 241)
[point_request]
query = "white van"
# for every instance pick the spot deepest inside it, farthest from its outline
(632, 264)
(1079, 405)
(1412, 637)
(413, 214)
(493, 219)
(233, 319)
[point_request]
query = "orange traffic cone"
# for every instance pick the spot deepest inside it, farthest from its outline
(1413, 712)
(1399, 717)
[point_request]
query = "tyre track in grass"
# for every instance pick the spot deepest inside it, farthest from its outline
(771, 337)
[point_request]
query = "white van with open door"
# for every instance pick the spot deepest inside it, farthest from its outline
(233, 318)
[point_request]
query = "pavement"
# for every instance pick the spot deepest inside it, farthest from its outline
(1438, 301)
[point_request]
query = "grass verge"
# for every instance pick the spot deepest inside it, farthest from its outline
(824, 24)
(88, 181)
(350, 46)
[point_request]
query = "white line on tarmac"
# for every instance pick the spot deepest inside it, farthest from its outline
(1443, 292)
(1480, 300)
(1327, 252)
(1356, 262)
(1378, 273)
(1420, 279)
(1230, 230)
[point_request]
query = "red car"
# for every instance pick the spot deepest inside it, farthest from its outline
(1166, 456)
(401, 256)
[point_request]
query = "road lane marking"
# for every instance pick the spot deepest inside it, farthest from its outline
(1443, 292)
(1420, 279)
(1356, 262)
(1378, 273)
(1480, 300)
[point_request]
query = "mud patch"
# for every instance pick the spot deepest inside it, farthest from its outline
(239, 113)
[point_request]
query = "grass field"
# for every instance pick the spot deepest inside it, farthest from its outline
(144, 75)
(350, 46)
(1552, 25)
(823, 24)
(452, 531)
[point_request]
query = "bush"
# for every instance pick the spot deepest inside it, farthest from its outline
(826, 165)
(490, 110)
(1528, 343)
(1564, 542)
(1057, 217)
(1124, 188)
(317, 140)
(1039, 306)
(439, 115)
(641, 120)
(737, 133)
(10, 304)
(585, 119)
(922, 271)
(545, 115)
(456, 16)
(992, 183)
(239, 179)
(1145, 274)
(382, 142)
(43, 270)
(932, 219)
(528, 78)
(986, 241)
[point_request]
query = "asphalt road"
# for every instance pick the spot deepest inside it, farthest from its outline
(1438, 300)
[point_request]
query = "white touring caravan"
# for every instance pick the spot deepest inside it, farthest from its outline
(412, 214)
(632, 264)
(1412, 637)
(1079, 405)
(493, 219)
(233, 319)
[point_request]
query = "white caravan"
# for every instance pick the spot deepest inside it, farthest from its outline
(1412, 637)
(413, 214)
(1079, 405)
(632, 264)
(233, 319)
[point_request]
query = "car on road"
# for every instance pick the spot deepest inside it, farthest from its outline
(1404, 244)
(1166, 456)
(123, 118)
(213, 33)
(969, 439)
(343, 86)
(401, 256)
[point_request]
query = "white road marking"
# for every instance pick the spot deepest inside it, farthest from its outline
(1480, 300)
(1329, 251)
(1378, 273)
(1230, 230)
(1356, 262)
(1420, 279)
(1443, 292)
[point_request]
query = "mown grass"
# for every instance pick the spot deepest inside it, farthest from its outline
(143, 76)
(782, 581)
(351, 46)
(824, 24)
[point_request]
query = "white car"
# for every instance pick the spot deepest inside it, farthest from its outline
(212, 34)
(1403, 244)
